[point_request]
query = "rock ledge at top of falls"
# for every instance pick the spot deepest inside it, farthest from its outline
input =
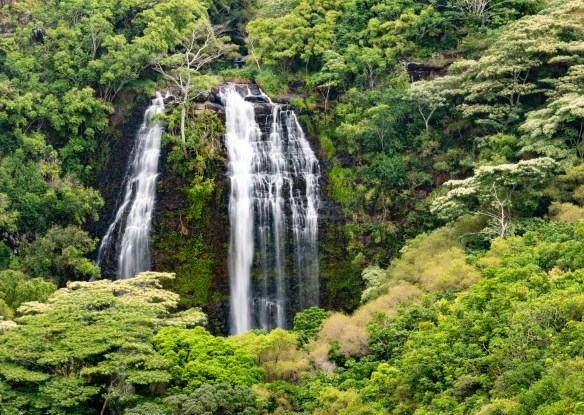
(211, 100)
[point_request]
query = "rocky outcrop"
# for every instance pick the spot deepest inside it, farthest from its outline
(427, 70)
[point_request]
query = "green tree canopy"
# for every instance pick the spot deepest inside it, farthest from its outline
(59, 256)
(88, 344)
(495, 192)
(198, 357)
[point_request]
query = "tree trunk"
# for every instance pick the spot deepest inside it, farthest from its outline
(326, 101)
(103, 408)
(183, 116)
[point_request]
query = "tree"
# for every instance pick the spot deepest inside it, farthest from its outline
(198, 357)
(494, 192)
(332, 401)
(372, 119)
(330, 77)
(376, 282)
(477, 8)
(398, 27)
(368, 61)
(221, 399)
(557, 130)
(121, 64)
(428, 96)
(279, 41)
(387, 384)
(97, 26)
(87, 349)
(277, 353)
(200, 47)
(307, 324)
(59, 256)
(203, 145)
(518, 64)
(569, 186)
(323, 20)
(16, 288)
(147, 409)
(492, 12)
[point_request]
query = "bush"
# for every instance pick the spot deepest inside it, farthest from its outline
(271, 83)
(277, 354)
(198, 357)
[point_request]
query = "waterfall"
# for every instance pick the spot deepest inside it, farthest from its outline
(273, 207)
(241, 132)
(129, 232)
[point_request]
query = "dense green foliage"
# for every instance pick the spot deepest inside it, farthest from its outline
(89, 341)
(510, 342)
(193, 352)
(451, 135)
(513, 92)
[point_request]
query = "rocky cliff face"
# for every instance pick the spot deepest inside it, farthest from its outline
(118, 146)
(198, 251)
(427, 70)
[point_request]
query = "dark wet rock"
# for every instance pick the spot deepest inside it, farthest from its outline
(202, 97)
(38, 33)
(214, 97)
(169, 98)
(426, 70)
(240, 63)
(257, 99)
(214, 107)
(261, 112)
(296, 85)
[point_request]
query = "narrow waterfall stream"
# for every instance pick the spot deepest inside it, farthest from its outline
(273, 205)
(129, 233)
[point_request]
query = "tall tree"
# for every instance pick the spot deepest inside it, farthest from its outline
(557, 130)
(495, 192)
(197, 49)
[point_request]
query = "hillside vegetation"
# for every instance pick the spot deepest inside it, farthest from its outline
(451, 135)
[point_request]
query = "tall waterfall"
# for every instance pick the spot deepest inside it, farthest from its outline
(129, 233)
(272, 209)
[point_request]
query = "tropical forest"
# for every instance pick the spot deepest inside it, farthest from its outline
(312, 207)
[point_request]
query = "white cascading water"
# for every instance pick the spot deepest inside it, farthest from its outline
(129, 233)
(274, 190)
(241, 131)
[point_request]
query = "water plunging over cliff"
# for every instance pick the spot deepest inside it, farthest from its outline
(273, 206)
(129, 233)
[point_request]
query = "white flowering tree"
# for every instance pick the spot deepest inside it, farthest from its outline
(429, 96)
(513, 73)
(494, 192)
(557, 130)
